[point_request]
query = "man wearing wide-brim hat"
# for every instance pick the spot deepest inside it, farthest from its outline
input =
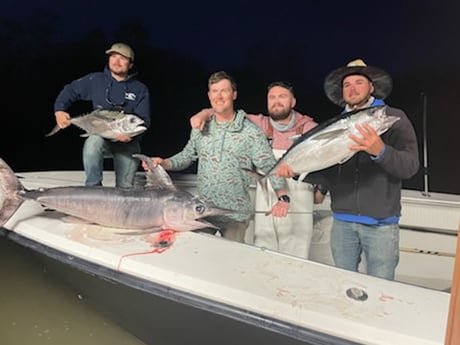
(336, 92)
(366, 190)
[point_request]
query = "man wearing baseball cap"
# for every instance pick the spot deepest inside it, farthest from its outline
(115, 88)
(366, 190)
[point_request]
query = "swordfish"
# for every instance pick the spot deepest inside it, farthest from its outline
(157, 206)
(328, 144)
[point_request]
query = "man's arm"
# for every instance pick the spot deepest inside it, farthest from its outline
(76, 90)
(164, 162)
(401, 158)
(199, 119)
(319, 193)
(188, 155)
(142, 108)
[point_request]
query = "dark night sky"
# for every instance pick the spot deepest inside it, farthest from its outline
(417, 42)
(395, 34)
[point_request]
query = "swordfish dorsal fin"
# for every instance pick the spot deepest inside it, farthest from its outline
(157, 177)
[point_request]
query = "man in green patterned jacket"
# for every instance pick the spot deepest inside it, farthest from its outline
(228, 149)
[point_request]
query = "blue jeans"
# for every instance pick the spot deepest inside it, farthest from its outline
(125, 166)
(380, 244)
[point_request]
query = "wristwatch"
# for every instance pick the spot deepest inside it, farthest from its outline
(284, 198)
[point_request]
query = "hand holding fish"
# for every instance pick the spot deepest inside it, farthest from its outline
(285, 171)
(369, 141)
(165, 163)
(62, 119)
(123, 138)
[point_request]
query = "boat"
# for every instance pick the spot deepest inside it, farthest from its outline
(195, 288)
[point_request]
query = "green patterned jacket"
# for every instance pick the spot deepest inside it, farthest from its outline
(227, 152)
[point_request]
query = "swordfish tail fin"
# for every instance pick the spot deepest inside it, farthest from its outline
(9, 187)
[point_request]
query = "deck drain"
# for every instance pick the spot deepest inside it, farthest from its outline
(357, 294)
(162, 244)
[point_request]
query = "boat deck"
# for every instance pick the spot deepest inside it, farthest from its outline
(300, 299)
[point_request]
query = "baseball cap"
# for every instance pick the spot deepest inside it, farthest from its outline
(123, 49)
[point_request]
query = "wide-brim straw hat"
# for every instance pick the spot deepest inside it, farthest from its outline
(380, 79)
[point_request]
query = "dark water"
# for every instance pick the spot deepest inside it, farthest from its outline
(36, 308)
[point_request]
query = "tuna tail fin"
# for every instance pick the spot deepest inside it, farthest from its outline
(53, 131)
(262, 181)
(9, 187)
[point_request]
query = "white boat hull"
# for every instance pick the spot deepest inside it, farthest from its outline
(303, 301)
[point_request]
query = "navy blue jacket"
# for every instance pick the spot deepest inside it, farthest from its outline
(105, 92)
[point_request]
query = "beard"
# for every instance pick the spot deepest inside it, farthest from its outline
(278, 115)
(357, 102)
(118, 70)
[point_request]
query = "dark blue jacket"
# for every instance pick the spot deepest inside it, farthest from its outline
(105, 92)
